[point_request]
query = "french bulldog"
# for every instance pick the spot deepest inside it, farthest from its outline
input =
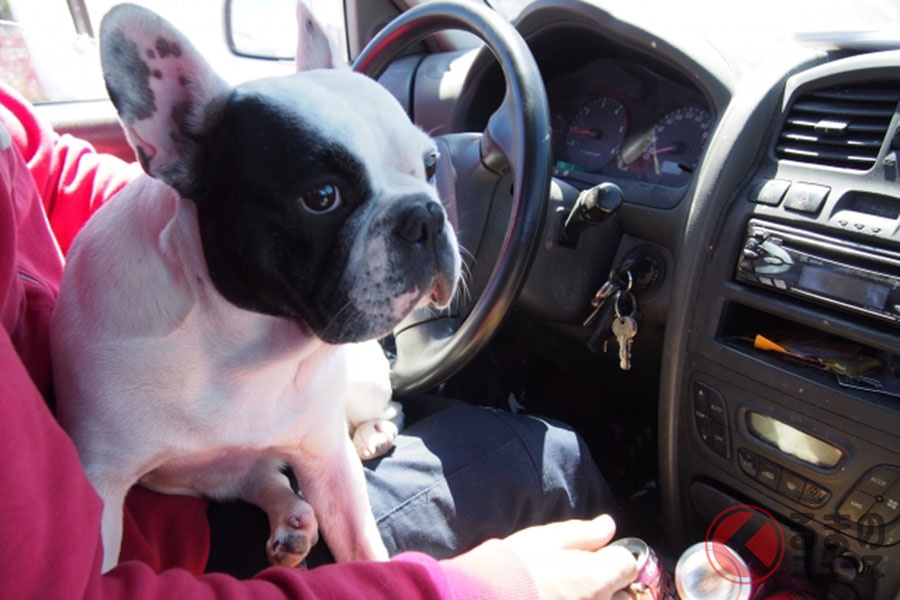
(212, 315)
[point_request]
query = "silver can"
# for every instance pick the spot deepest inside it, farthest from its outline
(713, 570)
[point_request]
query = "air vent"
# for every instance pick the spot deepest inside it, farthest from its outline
(843, 126)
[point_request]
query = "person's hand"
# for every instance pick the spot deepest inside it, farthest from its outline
(570, 560)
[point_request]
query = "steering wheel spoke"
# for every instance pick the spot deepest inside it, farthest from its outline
(498, 143)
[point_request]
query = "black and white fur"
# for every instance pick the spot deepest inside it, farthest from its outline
(212, 315)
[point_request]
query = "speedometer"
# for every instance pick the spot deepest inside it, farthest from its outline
(595, 133)
(678, 141)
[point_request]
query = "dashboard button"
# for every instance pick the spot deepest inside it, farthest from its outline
(878, 480)
(704, 428)
(718, 439)
(701, 413)
(747, 462)
(806, 197)
(717, 408)
(791, 485)
(769, 192)
(768, 474)
(888, 507)
(856, 505)
(701, 398)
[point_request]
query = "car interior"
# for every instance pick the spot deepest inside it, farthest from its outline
(690, 257)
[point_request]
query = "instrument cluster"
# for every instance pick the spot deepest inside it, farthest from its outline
(618, 119)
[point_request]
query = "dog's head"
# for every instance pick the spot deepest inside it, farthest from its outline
(314, 192)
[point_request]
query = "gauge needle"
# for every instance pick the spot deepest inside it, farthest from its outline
(635, 147)
(656, 151)
(674, 147)
(591, 132)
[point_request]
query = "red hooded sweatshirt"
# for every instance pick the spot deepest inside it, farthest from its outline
(49, 513)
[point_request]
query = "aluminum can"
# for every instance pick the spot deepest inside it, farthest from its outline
(653, 582)
(713, 570)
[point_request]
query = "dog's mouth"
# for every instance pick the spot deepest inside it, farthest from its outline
(442, 291)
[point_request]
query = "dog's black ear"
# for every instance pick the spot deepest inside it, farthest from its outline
(315, 49)
(162, 88)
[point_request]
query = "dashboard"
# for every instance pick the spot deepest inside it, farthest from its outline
(620, 119)
(767, 202)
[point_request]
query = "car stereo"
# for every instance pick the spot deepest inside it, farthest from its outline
(861, 279)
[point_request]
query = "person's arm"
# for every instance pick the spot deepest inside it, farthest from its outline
(52, 546)
(50, 523)
(72, 178)
(50, 513)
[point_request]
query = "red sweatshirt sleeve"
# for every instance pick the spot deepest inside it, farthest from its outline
(73, 180)
(50, 513)
(50, 523)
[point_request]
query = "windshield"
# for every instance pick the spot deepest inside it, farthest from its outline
(762, 21)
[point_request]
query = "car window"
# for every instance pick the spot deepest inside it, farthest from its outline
(41, 54)
(44, 57)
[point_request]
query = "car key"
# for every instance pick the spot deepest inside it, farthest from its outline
(624, 327)
(601, 324)
(612, 286)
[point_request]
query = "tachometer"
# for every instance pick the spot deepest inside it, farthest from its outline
(595, 133)
(678, 141)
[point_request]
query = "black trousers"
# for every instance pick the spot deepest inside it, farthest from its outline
(458, 475)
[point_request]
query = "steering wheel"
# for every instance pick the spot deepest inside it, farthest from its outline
(432, 345)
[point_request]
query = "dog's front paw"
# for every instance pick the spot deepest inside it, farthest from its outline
(374, 438)
(292, 540)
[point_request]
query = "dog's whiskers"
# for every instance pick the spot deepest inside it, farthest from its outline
(465, 275)
(335, 320)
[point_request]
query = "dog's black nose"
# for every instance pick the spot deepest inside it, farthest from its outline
(420, 222)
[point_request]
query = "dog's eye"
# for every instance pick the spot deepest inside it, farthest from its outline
(321, 200)
(430, 165)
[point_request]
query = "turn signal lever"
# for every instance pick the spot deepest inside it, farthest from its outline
(593, 206)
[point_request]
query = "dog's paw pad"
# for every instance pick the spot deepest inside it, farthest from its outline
(293, 539)
(289, 548)
(374, 438)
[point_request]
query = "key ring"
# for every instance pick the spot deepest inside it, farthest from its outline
(630, 281)
(617, 306)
